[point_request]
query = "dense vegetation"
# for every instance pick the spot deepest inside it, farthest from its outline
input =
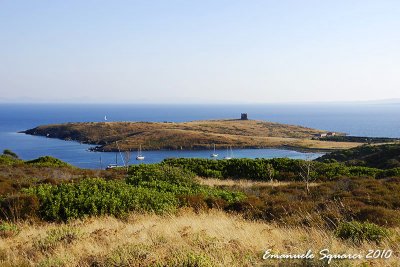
(374, 156)
(150, 188)
(358, 139)
(98, 197)
(281, 169)
(147, 188)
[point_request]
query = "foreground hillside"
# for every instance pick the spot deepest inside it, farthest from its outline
(196, 212)
(375, 156)
(185, 239)
(188, 135)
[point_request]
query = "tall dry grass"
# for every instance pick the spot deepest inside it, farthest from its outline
(214, 238)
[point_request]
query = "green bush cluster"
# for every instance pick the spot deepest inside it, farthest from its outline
(361, 231)
(48, 161)
(152, 188)
(283, 169)
(95, 196)
(8, 229)
(177, 181)
(6, 159)
(10, 153)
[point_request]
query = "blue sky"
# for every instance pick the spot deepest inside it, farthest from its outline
(199, 51)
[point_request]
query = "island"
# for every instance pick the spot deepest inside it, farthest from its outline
(192, 135)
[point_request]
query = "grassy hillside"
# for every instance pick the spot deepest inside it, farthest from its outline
(189, 135)
(53, 214)
(185, 239)
(377, 156)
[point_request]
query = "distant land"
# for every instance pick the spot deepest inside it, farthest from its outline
(193, 135)
(385, 156)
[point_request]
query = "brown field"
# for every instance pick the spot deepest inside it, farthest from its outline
(211, 238)
(189, 135)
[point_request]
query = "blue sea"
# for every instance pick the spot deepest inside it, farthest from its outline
(375, 120)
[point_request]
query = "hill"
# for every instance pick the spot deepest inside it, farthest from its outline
(376, 156)
(189, 135)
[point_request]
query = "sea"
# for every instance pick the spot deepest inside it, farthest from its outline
(358, 119)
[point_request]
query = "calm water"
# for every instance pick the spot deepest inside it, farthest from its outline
(379, 120)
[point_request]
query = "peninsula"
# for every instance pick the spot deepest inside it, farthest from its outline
(193, 135)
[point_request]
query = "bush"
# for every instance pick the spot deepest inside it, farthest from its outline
(178, 181)
(8, 229)
(378, 215)
(48, 161)
(19, 206)
(96, 196)
(8, 160)
(156, 173)
(361, 231)
(282, 169)
(8, 152)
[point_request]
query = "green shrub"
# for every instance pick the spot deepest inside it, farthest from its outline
(10, 153)
(96, 196)
(282, 169)
(48, 161)
(156, 172)
(395, 172)
(213, 173)
(8, 229)
(8, 160)
(361, 231)
(176, 181)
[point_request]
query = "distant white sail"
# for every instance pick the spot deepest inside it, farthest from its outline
(105, 118)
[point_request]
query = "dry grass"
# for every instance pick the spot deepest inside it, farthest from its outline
(242, 183)
(190, 135)
(186, 239)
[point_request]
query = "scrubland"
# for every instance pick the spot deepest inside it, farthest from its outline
(193, 212)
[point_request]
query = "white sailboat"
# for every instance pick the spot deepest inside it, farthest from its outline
(112, 166)
(229, 153)
(140, 156)
(214, 154)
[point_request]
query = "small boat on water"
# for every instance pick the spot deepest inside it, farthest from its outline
(140, 156)
(113, 165)
(229, 153)
(214, 154)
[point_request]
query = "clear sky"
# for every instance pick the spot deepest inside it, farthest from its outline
(205, 51)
